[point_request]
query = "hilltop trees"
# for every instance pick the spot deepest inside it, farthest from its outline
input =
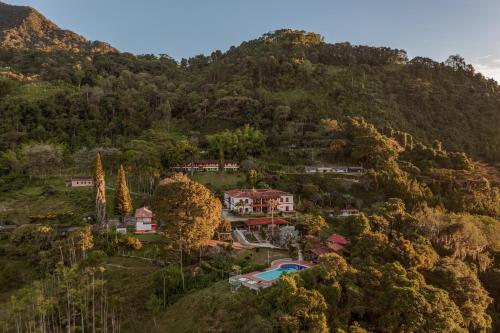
(391, 281)
(465, 290)
(40, 159)
(295, 308)
(100, 186)
(311, 223)
(187, 210)
(240, 143)
(123, 201)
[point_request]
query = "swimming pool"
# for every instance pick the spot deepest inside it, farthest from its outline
(276, 273)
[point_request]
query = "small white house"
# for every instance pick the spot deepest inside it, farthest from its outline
(348, 212)
(144, 221)
(81, 182)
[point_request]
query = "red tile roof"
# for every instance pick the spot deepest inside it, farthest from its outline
(256, 194)
(313, 239)
(339, 239)
(265, 221)
(143, 212)
(335, 247)
(321, 250)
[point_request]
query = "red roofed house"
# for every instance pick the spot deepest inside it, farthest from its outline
(319, 251)
(144, 221)
(335, 243)
(257, 224)
(257, 201)
(312, 239)
(338, 239)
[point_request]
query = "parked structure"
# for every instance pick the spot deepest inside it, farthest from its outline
(266, 222)
(206, 166)
(334, 169)
(258, 201)
(144, 221)
(81, 182)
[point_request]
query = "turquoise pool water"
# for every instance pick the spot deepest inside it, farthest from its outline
(276, 273)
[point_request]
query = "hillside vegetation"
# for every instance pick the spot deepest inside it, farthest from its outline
(424, 252)
(282, 83)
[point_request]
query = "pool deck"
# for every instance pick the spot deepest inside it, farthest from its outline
(250, 280)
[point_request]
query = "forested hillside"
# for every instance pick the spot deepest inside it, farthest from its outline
(283, 83)
(423, 251)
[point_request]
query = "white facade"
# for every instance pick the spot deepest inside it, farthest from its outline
(143, 227)
(348, 212)
(326, 169)
(285, 203)
(82, 182)
(334, 169)
(254, 204)
(241, 205)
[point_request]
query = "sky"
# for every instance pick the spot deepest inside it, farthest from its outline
(184, 28)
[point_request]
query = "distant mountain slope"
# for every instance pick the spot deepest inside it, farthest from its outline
(283, 83)
(25, 28)
(287, 81)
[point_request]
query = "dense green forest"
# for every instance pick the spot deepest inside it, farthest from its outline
(424, 254)
(283, 83)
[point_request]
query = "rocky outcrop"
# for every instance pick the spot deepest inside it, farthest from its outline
(23, 27)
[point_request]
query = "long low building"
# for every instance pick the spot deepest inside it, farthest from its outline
(81, 181)
(258, 201)
(206, 166)
(334, 169)
(265, 223)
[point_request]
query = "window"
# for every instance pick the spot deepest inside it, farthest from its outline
(246, 201)
(287, 208)
(286, 199)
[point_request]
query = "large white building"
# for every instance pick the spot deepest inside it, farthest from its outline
(258, 201)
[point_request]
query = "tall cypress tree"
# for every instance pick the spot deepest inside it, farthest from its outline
(123, 202)
(100, 186)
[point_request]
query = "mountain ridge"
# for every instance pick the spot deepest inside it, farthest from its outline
(23, 27)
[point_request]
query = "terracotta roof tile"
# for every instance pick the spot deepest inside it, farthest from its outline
(256, 194)
(265, 221)
(143, 212)
(339, 239)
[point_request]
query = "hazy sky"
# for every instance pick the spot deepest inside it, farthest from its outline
(182, 28)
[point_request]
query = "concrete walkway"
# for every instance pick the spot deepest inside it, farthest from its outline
(240, 237)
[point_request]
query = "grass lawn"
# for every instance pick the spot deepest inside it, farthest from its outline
(132, 280)
(259, 255)
(149, 238)
(250, 237)
(199, 311)
(22, 197)
(219, 181)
